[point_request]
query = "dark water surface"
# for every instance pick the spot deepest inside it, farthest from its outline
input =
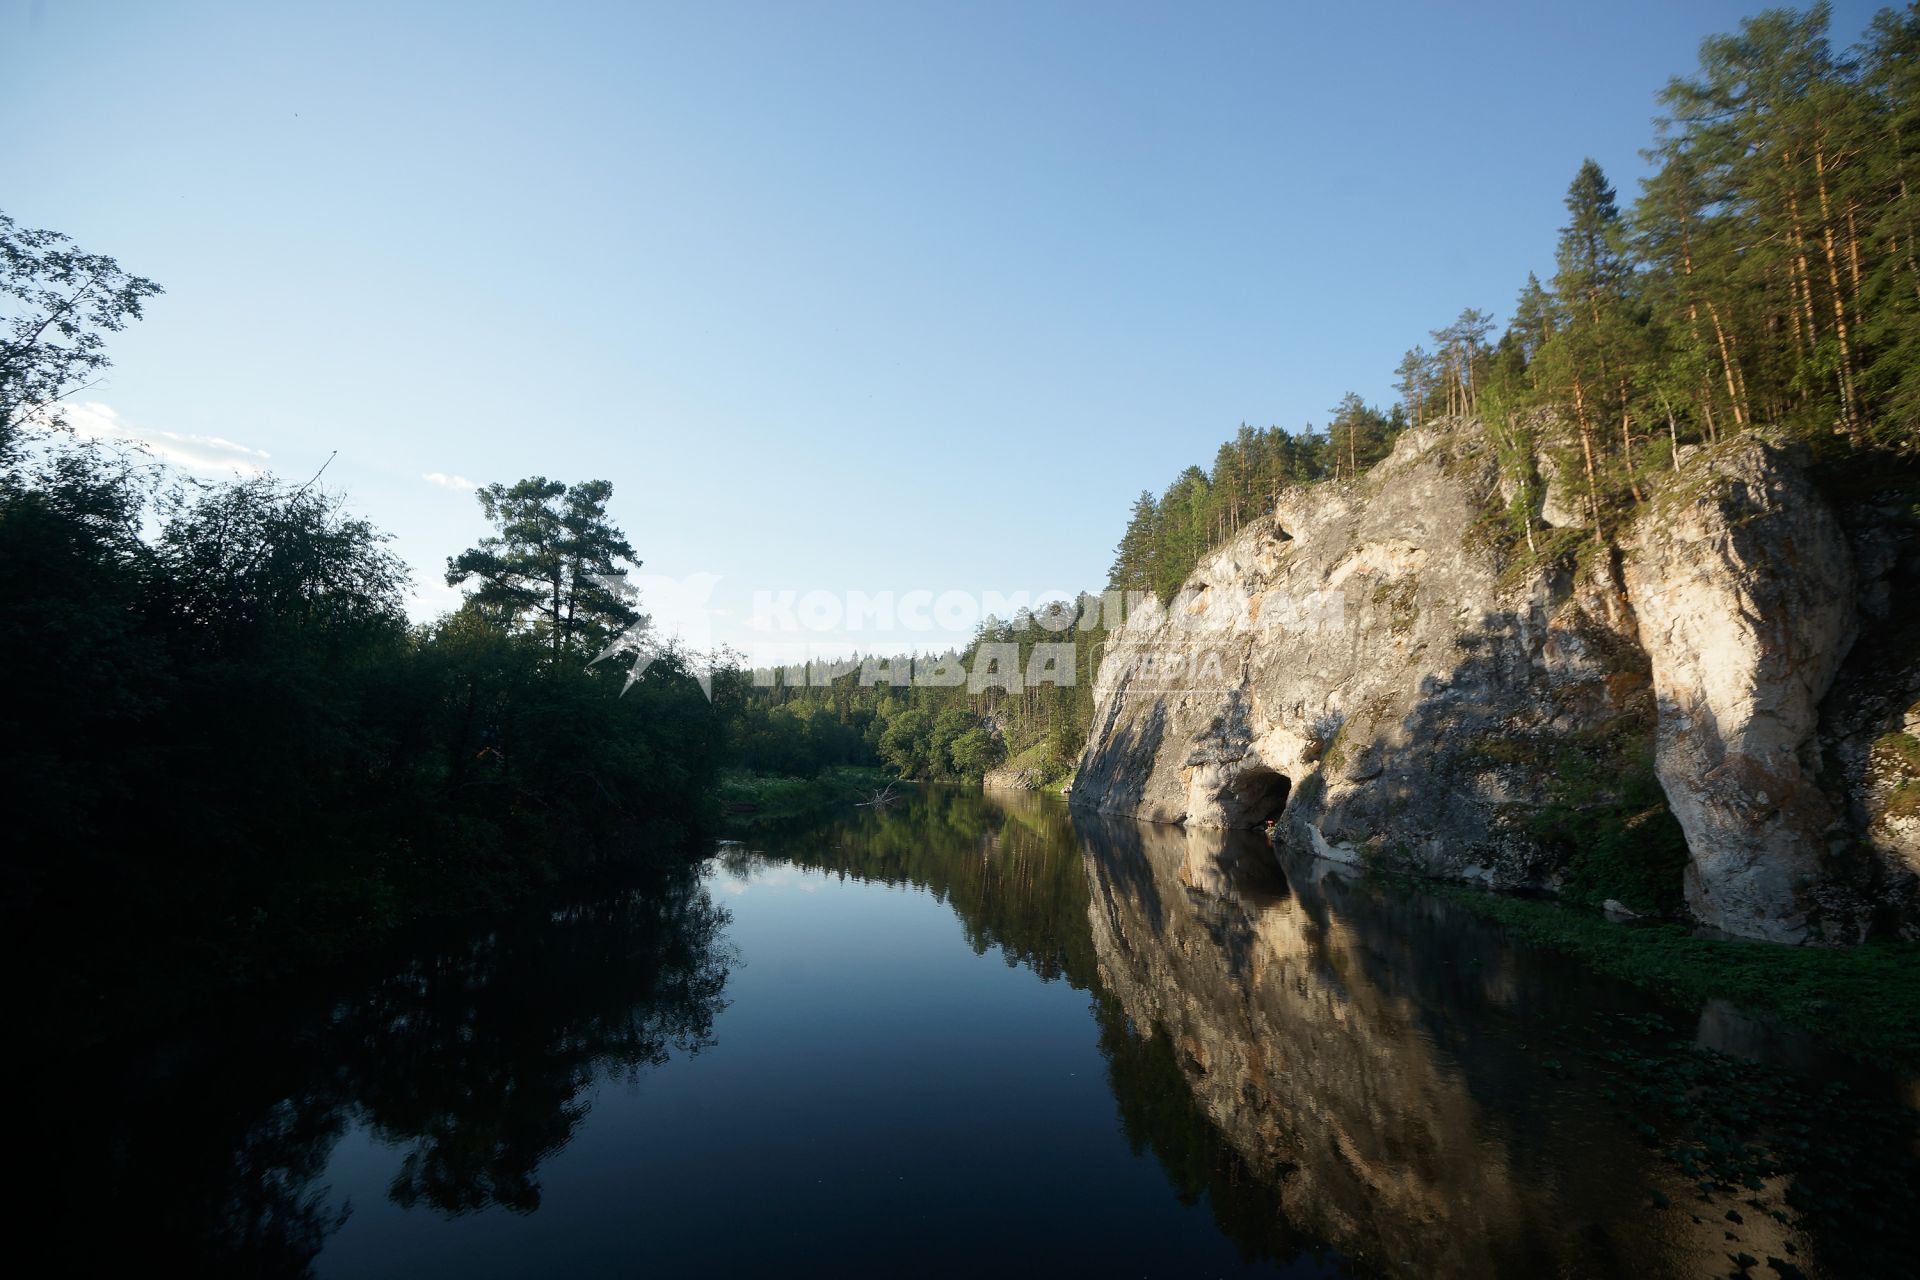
(976, 1033)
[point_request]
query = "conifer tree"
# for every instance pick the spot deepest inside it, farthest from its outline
(1133, 558)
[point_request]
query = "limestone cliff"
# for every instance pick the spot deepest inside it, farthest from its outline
(1370, 666)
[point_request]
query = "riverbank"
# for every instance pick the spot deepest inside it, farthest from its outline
(1863, 1001)
(747, 797)
(104, 995)
(126, 972)
(1038, 768)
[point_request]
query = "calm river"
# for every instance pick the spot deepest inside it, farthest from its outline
(981, 1034)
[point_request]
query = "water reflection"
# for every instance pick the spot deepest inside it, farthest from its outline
(1345, 1077)
(1428, 1098)
(473, 1057)
(1331, 1056)
(1011, 866)
(1006, 862)
(476, 1058)
(1344, 1071)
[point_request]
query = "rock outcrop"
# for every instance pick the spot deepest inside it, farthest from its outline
(1742, 583)
(1368, 665)
(1013, 778)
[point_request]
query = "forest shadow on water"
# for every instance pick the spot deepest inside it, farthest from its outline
(1284, 1068)
(470, 1057)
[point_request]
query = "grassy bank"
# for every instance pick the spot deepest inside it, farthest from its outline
(747, 797)
(1862, 1000)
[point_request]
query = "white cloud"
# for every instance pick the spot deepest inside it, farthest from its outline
(779, 875)
(446, 481)
(432, 597)
(203, 455)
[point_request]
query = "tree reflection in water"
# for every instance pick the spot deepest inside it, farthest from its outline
(476, 1058)
(1338, 1069)
(1017, 873)
(1345, 1076)
(473, 1056)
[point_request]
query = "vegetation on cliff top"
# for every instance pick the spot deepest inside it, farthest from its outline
(1766, 275)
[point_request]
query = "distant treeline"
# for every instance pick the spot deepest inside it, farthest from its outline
(802, 721)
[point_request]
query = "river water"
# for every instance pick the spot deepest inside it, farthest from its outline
(981, 1033)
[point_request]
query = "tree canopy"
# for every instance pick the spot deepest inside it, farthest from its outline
(555, 563)
(60, 303)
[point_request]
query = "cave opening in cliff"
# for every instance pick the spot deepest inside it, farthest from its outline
(1261, 794)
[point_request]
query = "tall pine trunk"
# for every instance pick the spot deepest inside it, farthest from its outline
(1586, 447)
(1849, 405)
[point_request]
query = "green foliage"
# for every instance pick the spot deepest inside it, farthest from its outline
(240, 758)
(798, 739)
(1050, 760)
(939, 732)
(1765, 275)
(1609, 818)
(973, 751)
(748, 797)
(243, 568)
(945, 744)
(60, 304)
(554, 564)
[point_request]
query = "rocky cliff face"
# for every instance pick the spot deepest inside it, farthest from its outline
(1743, 587)
(1367, 666)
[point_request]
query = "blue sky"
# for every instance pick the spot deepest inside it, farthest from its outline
(874, 297)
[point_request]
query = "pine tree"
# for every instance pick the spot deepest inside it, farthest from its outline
(1414, 379)
(1181, 532)
(1533, 320)
(555, 563)
(1890, 79)
(1590, 357)
(1133, 558)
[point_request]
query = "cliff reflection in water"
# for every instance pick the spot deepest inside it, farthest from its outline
(1346, 1077)
(1426, 1097)
(1011, 866)
(1363, 1068)
(1338, 1069)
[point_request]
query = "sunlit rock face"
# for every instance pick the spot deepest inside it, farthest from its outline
(1358, 664)
(1743, 585)
(1367, 668)
(1012, 778)
(1380, 1062)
